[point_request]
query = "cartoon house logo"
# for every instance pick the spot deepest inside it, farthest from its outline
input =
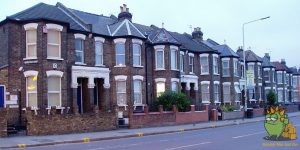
(278, 126)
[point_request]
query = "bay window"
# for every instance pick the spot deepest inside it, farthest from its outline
(121, 92)
(225, 66)
(137, 88)
(160, 61)
(174, 86)
(216, 92)
(279, 77)
(174, 65)
(280, 95)
(215, 64)
(54, 41)
(205, 91)
(99, 51)
(181, 62)
(204, 64)
(226, 93)
(120, 54)
(191, 63)
(137, 54)
(235, 67)
(160, 88)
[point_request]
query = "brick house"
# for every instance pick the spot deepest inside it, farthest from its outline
(295, 84)
(79, 63)
(269, 82)
(281, 81)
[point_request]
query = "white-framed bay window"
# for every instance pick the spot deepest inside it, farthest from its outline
(174, 84)
(137, 52)
(181, 59)
(280, 95)
(160, 86)
(235, 67)
(259, 70)
(79, 48)
(191, 63)
(204, 64)
(120, 56)
(31, 88)
(215, 64)
(279, 77)
(54, 87)
(121, 90)
(99, 41)
(31, 40)
(226, 92)
(225, 67)
(216, 91)
(159, 57)
(205, 94)
(174, 57)
(137, 90)
(54, 41)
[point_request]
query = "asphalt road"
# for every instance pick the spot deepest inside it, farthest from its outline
(245, 137)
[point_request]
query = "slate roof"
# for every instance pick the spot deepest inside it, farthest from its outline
(279, 66)
(295, 71)
(250, 56)
(188, 43)
(225, 51)
(266, 63)
(161, 35)
(49, 12)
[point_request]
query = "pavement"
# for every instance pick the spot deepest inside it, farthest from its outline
(48, 140)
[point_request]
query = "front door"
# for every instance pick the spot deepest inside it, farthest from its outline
(2, 96)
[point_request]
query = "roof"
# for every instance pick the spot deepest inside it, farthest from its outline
(49, 12)
(295, 71)
(266, 63)
(162, 36)
(188, 43)
(250, 56)
(279, 66)
(125, 28)
(225, 51)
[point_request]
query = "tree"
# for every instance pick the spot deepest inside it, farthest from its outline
(271, 97)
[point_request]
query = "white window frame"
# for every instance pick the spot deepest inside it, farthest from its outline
(139, 55)
(216, 98)
(140, 101)
(280, 91)
(191, 63)
(31, 73)
(226, 93)
(121, 78)
(27, 27)
(159, 48)
(59, 74)
(205, 93)
(99, 40)
(82, 38)
(181, 59)
(224, 68)
(206, 65)
(235, 67)
(259, 71)
(175, 81)
(215, 64)
(279, 76)
(174, 49)
(58, 28)
(158, 81)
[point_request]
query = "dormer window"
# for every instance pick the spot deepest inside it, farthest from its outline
(31, 40)
(54, 41)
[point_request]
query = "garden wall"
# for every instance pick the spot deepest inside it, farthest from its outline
(150, 119)
(258, 112)
(3, 122)
(69, 123)
(232, 115)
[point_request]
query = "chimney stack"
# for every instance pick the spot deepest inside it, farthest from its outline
(124, 14)
(267, 55)
(197, 34)
(283, 61)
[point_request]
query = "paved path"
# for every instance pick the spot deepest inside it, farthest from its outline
(233, 125)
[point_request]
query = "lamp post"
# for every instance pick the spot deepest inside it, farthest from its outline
(244, 55)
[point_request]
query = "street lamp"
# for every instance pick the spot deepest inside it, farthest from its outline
(244, 53)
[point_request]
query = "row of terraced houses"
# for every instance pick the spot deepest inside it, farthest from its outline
(78, 62)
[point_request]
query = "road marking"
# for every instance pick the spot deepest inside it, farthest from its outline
(181, 147)
(86, 140)
(236, 137)
(22, 145)
(140, 134)
(181, 130)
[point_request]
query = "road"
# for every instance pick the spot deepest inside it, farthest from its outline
(244, 136)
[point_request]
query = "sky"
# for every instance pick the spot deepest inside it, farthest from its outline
(220, 20)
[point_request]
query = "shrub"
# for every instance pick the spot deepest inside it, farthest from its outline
(169, 98)
(271, 97)
(227, 108)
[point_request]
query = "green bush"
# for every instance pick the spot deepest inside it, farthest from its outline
(227, 108)
(169, 98)
(271, 97)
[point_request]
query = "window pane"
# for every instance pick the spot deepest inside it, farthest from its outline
(205, 92)
(137, 86)
(160, 59)
(79, 44)
(121, 98)
(121, 86)
(120, 59)
(174, 86)
(160, 88)
(120, 54)
(31, 50)
(181, 62)
(54, 84)
(120, 48)
(31, 83)
(53, 36)
(31, 36)
(99, 52)
(137, 92)
(53, 50)
(226, 92)
(32, 99)
(79, 56)
(173, 59)
(53, 99)
(136, 54)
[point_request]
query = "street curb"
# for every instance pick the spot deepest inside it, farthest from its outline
(132, 135)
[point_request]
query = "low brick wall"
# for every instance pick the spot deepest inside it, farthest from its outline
(232, 115)
(69, 123)
(258, 112)
(291, 108)
(3, 122)
(151, 119)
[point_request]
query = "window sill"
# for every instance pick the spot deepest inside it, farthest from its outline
(191, 73)
(174, 69)
(30, 58)
(204, 74)
(206, 102)
(226, 76)
(120, 66)
(99, 65)
(54, 58)
(216, 74)
(217, 102)
(160, 69)
(138, 66)
(79, 63)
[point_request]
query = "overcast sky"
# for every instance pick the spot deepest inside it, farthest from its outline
(219, 20)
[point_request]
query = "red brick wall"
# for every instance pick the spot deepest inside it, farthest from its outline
(3, 122)
(258, 112)
(62, 124)
(192, 116)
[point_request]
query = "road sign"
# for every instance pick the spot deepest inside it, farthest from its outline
(250, 79)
